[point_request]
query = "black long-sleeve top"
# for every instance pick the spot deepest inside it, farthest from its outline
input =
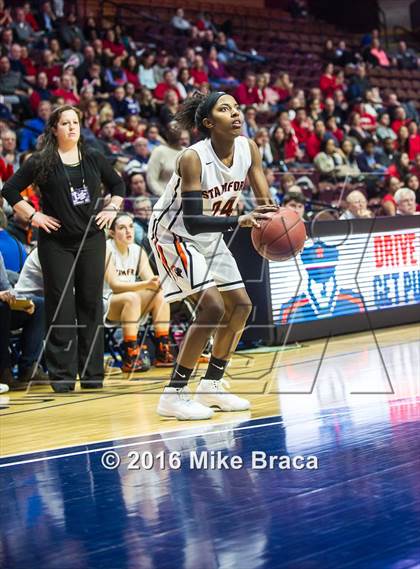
(56, 196)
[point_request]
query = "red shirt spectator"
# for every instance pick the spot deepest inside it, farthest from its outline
(66, 91)
(313, 144)
(413, 140)
(51, 69)
(327, 83)
(247, 92)
(198, 71)
(109, 45)
(199, 77)
(367, 121)
(6, 170)
(300, 126)
(397, 124)
(291, 146)
(168, 83)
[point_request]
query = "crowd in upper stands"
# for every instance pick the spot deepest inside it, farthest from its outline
(343, 145)
(342, 132)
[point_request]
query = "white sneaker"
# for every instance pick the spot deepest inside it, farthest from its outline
(178, 403)
(4, 388)
(213, 394)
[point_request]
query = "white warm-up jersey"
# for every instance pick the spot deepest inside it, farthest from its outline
(221, 188)
(126, 266)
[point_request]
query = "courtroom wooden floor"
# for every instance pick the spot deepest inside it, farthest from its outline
(277, 381)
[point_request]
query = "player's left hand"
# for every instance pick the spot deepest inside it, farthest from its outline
(105, 217)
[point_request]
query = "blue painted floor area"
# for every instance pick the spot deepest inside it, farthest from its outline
(359, 509)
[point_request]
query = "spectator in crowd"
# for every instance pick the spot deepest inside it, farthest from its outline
(327, 82)
(162, 161)
(119, 103)
(349, 168)
(284, 87)
(250, 126)
(22, 30)
(67, 89)
(69, 31)
(12, 251)
(384, 130)
(413, 140)
(406, 58)
(357, 130)
(142, 210)
(262, 140)
(406, 202)
(115, 75)
(413, 183)
(146, 71)
(328, 160)
(198, 70)
(168, 83)
(169, 108)
(401, 167)
(160, 66)
(137, 186)
(140, 157)
(181, 25)
(110, 144)
(220, 78)
(47, 20)
(14, 88)
(301, 125)
(185, 82)
(369, 160)
(314, 141)
(356, 206)
(295, 201)
(34, 127)
(388, 203)
(359, 83)
(10, 152)
(379, 54)
(387, 152)
(247, 91)
(399, 118)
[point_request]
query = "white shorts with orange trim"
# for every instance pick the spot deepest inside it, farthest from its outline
(186, 267)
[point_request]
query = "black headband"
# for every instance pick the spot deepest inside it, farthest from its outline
(206, 107)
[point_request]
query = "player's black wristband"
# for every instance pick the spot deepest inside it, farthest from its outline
(194, 220)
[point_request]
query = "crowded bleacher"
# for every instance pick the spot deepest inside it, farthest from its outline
(334, 115)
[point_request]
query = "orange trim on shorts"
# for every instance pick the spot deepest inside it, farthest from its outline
(182, 255)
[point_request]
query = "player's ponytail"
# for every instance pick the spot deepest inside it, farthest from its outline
(195, 109)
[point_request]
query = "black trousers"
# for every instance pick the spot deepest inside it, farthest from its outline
(73, 284)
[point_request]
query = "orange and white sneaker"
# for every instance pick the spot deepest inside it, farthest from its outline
(164, 356)
(212, 393)
(134, 359)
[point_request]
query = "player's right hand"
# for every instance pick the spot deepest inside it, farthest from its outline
(153, 283)
(259, 214)
(45, 222)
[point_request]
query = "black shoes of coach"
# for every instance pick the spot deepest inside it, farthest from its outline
(91, 384)
(62, 386)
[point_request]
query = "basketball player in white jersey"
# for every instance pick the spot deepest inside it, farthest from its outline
(131, 293)
(186, 234)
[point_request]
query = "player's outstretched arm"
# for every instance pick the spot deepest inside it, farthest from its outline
(257, 179)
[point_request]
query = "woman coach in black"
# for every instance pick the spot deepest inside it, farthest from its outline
(71, 245)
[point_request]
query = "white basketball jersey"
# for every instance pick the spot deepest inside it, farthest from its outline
(221, 188)
(125, 265)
